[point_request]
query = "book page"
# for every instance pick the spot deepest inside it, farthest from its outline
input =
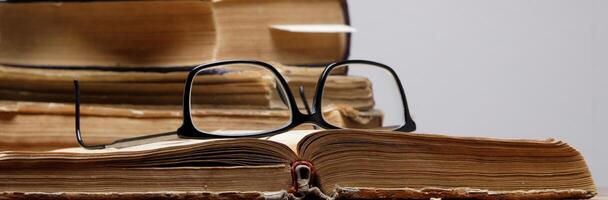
(290, 139)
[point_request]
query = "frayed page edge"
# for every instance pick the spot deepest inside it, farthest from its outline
(458, 193)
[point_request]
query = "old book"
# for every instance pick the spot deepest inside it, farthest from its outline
(157, 33)
(111, 87)
(36, 126)
(308, 46)
(342, 164)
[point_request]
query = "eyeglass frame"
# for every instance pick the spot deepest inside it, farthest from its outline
(188, 129)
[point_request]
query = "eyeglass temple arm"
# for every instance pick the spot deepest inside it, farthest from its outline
(306, 106)
(77, 119)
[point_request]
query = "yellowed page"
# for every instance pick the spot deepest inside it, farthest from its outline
(289, 138)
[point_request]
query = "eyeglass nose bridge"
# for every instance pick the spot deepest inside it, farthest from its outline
(315, 119)
(309, 117)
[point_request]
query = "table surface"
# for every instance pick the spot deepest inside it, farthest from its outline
(602, 194)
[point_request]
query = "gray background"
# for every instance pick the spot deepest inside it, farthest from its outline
(507, 69)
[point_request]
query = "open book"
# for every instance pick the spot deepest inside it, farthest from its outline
(345, 164)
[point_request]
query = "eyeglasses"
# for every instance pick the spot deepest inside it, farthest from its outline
(343, 98)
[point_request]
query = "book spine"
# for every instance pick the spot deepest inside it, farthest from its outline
(348, 35)
(303, 176)
(302, 173)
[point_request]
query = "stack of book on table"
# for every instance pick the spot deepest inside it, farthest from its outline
(132, 58)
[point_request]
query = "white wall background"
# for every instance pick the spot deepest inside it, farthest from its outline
(497, 68)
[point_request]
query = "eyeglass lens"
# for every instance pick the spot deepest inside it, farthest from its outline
(238, 100)
(362, 96)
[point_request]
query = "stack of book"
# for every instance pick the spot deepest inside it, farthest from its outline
(125, 54)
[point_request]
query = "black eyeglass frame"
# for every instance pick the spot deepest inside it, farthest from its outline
(189, 130)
